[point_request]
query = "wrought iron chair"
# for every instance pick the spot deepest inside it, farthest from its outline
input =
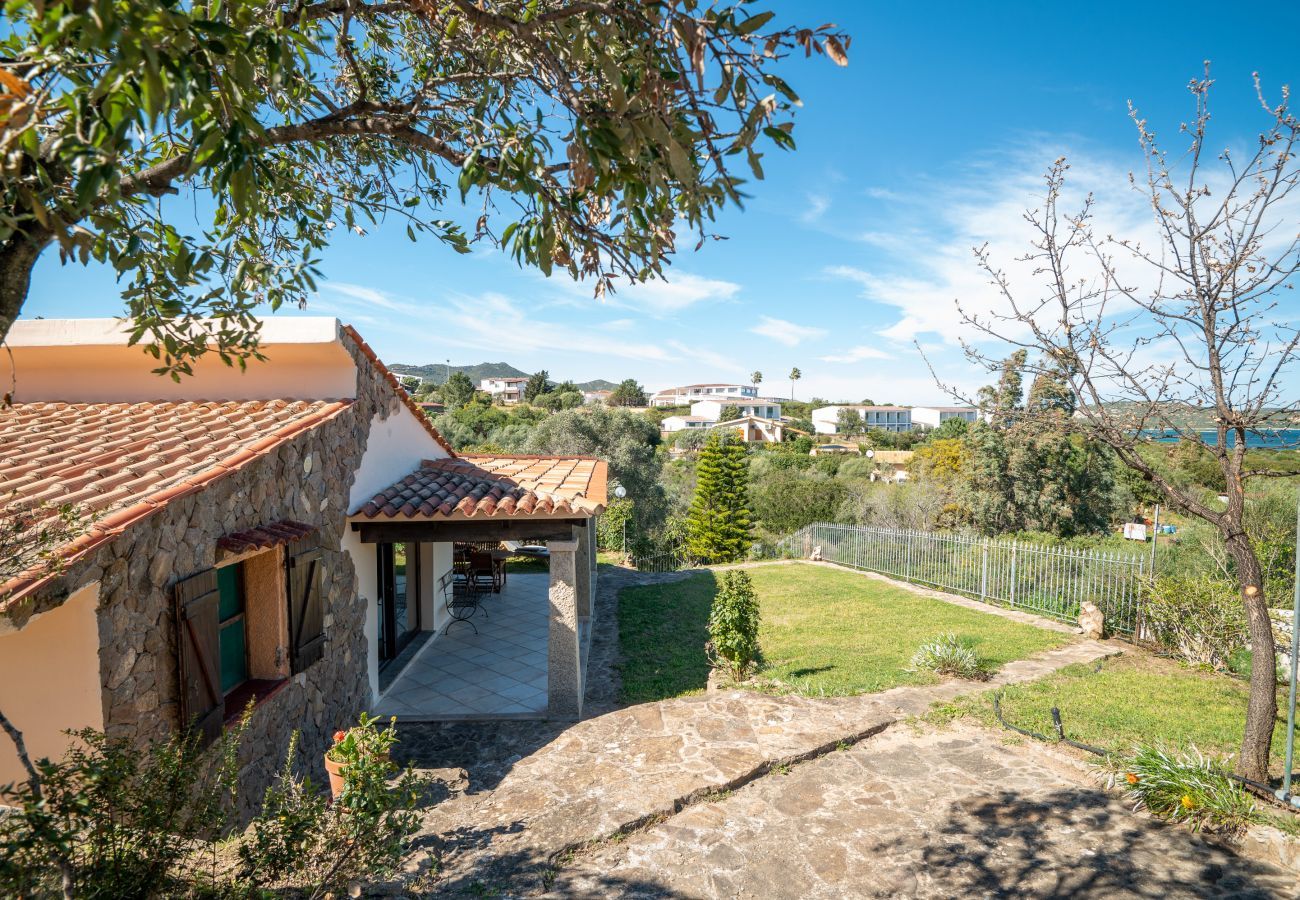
(484, 571)
(460, 595)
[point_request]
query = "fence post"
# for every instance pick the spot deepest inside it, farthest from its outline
(984, 570)
(1012, 589)
(907, 560)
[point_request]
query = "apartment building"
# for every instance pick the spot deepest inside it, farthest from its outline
(507, 390)
(825, 419)
(934, 416)
(689, 393)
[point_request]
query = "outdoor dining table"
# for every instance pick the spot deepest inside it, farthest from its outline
(499, 558)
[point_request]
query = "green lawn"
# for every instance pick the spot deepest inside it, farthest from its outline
(1132, 699)
(532, 565)
(824, 632)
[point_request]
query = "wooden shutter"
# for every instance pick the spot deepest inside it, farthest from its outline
(198, 646)
(306, 610)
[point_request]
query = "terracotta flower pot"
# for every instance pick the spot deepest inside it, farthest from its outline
(335, 771)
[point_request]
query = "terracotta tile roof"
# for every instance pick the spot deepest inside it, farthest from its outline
(397, 386)
(122, 462)
(495, 486)
(264, 537)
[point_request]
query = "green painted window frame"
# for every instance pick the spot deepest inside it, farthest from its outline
(231, 579)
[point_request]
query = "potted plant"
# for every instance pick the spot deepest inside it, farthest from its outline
(357, 750)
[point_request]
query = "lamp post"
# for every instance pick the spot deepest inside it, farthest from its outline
(620, 492)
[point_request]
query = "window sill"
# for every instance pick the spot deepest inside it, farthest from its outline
(256, 691)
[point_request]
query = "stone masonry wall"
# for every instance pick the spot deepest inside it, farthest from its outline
(307, 479)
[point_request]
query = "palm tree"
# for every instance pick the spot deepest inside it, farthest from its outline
(756, 378)
(795, 375)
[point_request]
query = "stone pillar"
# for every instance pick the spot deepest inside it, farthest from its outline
(563, 659)
(582, 569)
(591, 536)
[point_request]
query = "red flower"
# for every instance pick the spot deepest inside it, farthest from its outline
(339, 736)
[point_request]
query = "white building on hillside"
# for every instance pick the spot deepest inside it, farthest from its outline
(754, 429)
(712, 409)
(685, 423)
(934, 416)
(891, 418)
(689, 393)
(507, 390)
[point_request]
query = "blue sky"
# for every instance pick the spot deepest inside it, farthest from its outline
(932, 140)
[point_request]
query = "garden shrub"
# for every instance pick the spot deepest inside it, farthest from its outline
(1198, 618)
(733, 625)
(299, 838)
(110, 821)
(1186, 787)
(121, 822)
(949, 654)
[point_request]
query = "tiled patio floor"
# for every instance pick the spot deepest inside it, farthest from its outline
(498, 673)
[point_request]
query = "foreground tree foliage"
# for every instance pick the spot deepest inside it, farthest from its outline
(590, 134)
(1201, 318)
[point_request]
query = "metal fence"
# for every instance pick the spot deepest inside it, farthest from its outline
(672, 559)
(1051, 581)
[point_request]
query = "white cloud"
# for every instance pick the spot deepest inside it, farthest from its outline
(857, 354)
(363, 294)
(672, 294)
(784, 332)
(879, 193)
(718, 362)
(929, 262)
(817, 206)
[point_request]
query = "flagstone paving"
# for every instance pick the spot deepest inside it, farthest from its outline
(556, 790)
(941, 813)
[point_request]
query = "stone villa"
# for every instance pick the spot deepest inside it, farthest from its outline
(281, 537)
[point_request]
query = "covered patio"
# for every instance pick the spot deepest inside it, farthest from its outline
(523, 652)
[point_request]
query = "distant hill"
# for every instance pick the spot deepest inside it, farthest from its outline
(436, 373)
(1191, 418)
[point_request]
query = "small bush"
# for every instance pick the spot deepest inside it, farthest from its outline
(112, 820)
(1198, 619)
(950, 655)
(1186, 787)
(299, 838)
(733, 625)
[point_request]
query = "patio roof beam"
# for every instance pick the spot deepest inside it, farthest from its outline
(469, 532)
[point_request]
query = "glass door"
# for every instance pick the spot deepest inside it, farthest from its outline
(399, 597)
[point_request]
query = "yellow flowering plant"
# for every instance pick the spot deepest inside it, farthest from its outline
(1186, 787)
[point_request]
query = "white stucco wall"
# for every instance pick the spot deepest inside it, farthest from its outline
(394, 448)
(49, 680)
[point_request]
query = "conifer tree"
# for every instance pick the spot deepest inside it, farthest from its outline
(717, 527)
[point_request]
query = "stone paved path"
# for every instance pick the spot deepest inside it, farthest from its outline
(942, 813)
(548, 789)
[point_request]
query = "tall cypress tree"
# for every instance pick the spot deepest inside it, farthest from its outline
(717, 527)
